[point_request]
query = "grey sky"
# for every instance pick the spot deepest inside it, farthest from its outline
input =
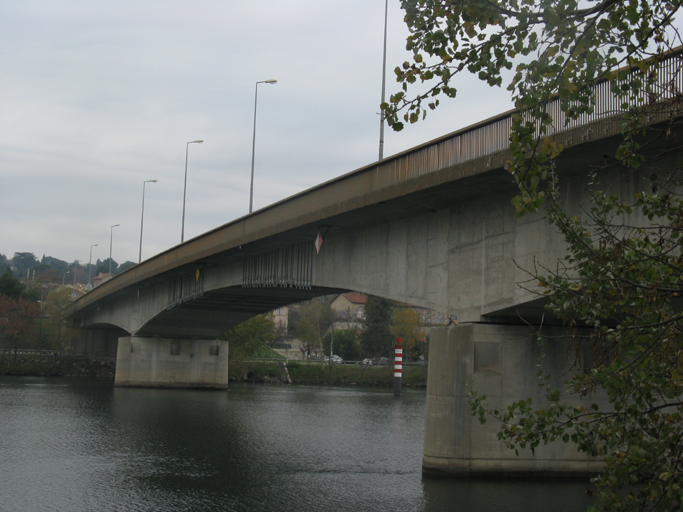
(97, 97)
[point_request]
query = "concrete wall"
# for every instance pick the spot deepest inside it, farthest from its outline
(97, 343)
(171, 363)
(498, 361)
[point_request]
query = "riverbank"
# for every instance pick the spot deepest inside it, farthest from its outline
(238, 371)
(56, 366)
(300, 372)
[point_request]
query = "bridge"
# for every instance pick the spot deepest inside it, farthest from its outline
(431, 226)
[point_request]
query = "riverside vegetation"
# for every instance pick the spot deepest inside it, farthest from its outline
(336, 375)
(48, 365)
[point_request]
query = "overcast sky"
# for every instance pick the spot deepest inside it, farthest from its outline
(97, 97)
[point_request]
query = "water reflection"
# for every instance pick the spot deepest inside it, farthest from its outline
(476, 495)
(85, 446)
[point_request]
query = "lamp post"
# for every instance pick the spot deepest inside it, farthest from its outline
(90, 266)
(253, 144)
(142, 216)
(384, 76)
(111, 238)
(187, 149)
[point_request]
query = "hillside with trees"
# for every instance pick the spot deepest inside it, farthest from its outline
(25, 265)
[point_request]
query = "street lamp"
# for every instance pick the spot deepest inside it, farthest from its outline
(187, 149)
(90, 266)
(384, 77)
(111, 238)
(142, 217)
(253, 144)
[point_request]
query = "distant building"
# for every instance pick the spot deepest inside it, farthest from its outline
(430, 317)
(349, 305)
(281, 318)
(101, 278)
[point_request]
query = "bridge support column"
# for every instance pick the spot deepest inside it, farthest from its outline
(172, 363)
(499, 361)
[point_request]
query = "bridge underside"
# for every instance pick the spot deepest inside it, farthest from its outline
(216, 311)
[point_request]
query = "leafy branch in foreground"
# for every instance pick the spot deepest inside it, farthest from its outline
(620, 286)
(543, 50)
(623, 279)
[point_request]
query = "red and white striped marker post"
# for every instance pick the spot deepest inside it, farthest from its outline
(398, 367)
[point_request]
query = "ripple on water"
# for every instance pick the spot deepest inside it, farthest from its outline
(82, 446)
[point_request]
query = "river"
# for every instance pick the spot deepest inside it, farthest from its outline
(72, 445)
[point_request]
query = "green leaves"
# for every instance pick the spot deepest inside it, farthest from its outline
(622, 276)
(560, 49)
(247, 338)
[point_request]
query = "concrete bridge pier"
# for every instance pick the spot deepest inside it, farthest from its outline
(171, 363)
(499, 361)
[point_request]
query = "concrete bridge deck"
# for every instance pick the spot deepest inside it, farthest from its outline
(458, 168)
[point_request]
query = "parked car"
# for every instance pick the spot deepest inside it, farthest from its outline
(337, 359)
(367, 361)
(380, 361)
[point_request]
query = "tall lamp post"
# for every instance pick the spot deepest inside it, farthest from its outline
(384, 77)
(90, 266)
(253, 144)
(187, 149)
(142, 217)
(111, 239)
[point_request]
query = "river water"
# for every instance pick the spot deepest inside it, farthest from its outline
(85, 446)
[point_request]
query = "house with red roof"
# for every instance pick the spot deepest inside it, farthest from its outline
(349, 305)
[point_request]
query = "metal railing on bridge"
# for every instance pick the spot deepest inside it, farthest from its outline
(493, 135)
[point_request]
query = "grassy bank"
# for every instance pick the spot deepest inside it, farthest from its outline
(239, 371)
(62, 366)
(336, 375)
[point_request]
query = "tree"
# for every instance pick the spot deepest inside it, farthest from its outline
(408, 326)
(22, 262)
(55, 263)
(376, 338)
(44, 273)
(10, 286)
(4, 264)
(104, 266)
(624, 280)
(344, 344)
(17, 322)
(246, 338)
(60, 335)
(279, 332)
(99, 268)
(125, 266)
(80, 274)
(311, 323)
(622, 277)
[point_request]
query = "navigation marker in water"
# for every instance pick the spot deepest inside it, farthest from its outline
(398, 366)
